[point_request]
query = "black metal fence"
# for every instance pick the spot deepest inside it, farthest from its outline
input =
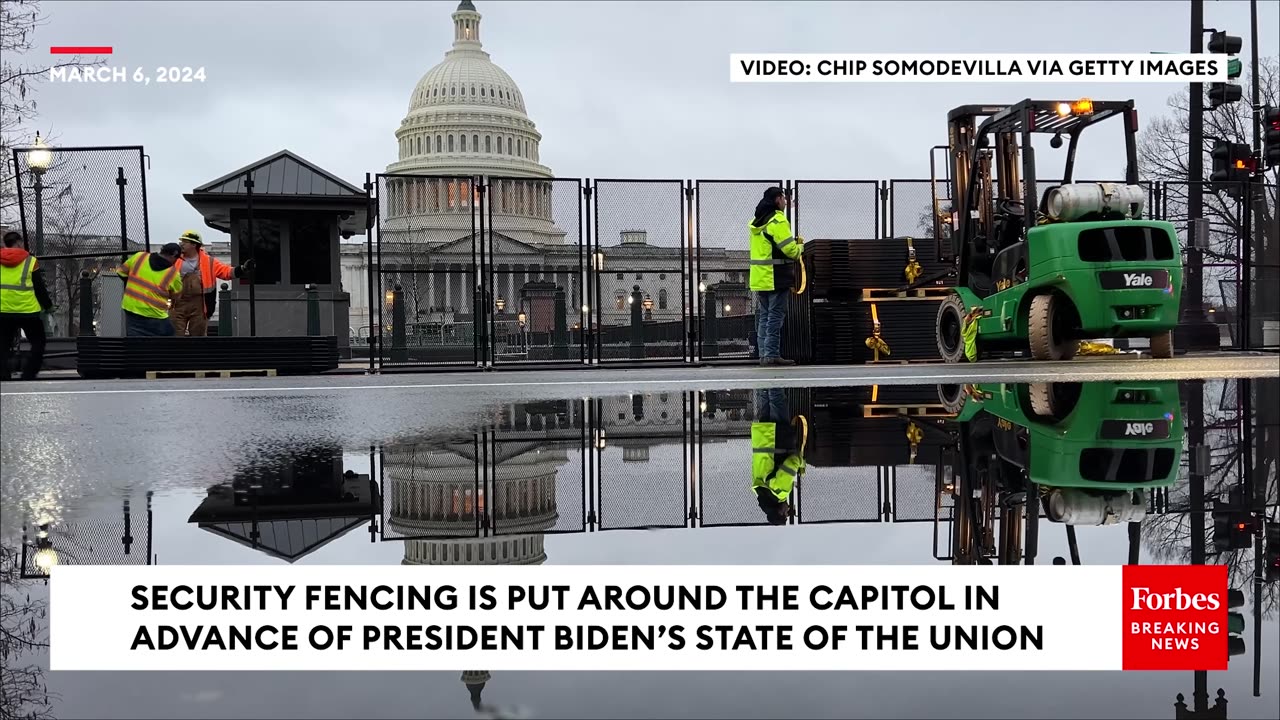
(484, 272)
(82, 210)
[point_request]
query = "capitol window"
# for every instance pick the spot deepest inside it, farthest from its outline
(509, 146)
(488, 143)
(662, 299)
(438, 148)
(450, 143)
(475, 143)
(463, 140)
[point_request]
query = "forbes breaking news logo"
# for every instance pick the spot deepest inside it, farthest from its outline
(1175, 617)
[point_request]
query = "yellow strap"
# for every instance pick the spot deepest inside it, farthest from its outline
(804, 278)
(875, 342)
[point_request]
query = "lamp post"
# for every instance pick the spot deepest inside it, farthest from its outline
(648, 306)
(39, 160)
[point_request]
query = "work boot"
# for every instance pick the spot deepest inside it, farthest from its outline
(783, 361)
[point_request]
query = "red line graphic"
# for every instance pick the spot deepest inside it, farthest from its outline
(80, 50)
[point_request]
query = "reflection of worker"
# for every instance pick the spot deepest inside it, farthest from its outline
(151, 280)
(777, 455)
(23, 295)
(773, 253)
(200, 273)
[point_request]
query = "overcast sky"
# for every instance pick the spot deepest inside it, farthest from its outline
(331, 81)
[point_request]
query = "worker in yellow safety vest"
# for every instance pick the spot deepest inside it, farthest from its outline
(23, 299)
(151, 282)
(774, 252)
(777, 454)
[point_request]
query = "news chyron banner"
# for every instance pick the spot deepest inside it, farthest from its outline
(639, 618)
(1178, 68)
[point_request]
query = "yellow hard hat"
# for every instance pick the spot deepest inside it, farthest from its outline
(191, 236)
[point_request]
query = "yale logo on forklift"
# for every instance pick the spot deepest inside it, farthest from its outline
(1130, 280)
(1125, 429)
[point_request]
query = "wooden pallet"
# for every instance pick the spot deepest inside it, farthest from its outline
(893, 294)
(156, 374)
(883, 411)
(927, 361)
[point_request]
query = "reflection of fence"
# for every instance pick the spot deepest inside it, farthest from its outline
(81, 210)
(657, 270)
(106, 538)
(658, 460)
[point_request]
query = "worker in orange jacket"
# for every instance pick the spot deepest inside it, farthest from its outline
(200, 273)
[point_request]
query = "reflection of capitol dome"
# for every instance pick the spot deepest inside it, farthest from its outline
(467, 117)
(432, 492)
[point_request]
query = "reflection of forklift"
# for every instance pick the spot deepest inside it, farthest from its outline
(1092, 462)
(1046, 273)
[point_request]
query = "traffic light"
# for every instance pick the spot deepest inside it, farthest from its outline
(1228, 92)
(1235, 623)
(1272, 556)
(1271, 136)
(1232, 522)
(1233, 164)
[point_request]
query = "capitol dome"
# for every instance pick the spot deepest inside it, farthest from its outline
(466, 119)
(467, 116)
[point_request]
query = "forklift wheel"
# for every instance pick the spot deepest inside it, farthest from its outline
(1053, 400)
(948, 328)
(1162, 345)
(1047, 329)
(1041, 399)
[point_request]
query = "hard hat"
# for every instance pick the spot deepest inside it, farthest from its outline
(192, 236)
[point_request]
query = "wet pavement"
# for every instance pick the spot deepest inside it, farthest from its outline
(414, 470)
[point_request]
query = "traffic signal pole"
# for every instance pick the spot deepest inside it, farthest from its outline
(1191, 332)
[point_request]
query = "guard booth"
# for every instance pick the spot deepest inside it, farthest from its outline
(298, 213)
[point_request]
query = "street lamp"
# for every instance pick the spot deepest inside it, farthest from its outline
(501, 303)
(39, 160)
(648, 301)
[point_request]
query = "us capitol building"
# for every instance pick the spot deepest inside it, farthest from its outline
(467, 117)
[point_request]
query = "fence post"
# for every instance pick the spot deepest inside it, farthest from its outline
(710, 330)
(637, 324)
(561, 342)
(124, 225)
(225, 317)
(86, 303)
(253, 248)
(313, 311)
(399, 352)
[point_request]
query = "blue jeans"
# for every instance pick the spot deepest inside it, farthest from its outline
(771, 406)
(771, 310)
(139, 326)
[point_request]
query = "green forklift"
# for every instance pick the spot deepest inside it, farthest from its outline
(1042, 274)
(1094, 460)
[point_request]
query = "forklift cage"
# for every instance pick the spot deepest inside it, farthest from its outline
(1012, 126)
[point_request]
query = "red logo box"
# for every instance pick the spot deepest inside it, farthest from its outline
(1175, 617)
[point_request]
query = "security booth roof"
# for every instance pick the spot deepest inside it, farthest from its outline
(283, 180)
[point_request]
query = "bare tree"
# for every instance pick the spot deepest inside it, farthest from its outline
(23, 631)
(18, 109)
(1162, 156)
(68, 219)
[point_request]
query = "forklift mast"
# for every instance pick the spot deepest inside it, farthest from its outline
(987, 138)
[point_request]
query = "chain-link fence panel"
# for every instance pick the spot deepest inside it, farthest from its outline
(643, 481)
(726, 306)
(537, 486)
(432, 490)
(725, 481)
(428, 257)
(836, 209)
(80, 210)
(840, 494)
(110, 535)
(916, 495)
(535, 258)
(641, 269)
